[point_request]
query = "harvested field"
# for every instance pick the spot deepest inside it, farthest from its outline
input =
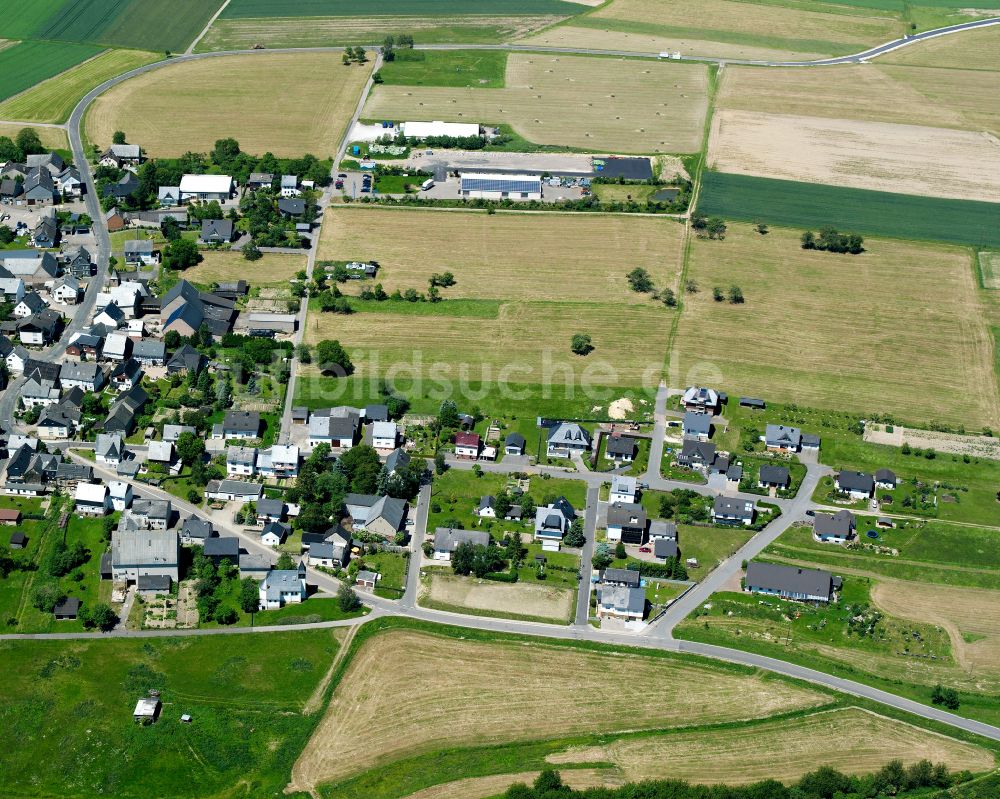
(230, 34)
(458, 695)
(559, 257)
(355, 8)
(850, 740)
(482, 787)
(590, 103)
(283, 87)
(524, 343)
(970, 616)
(846, 337)
(51, 137)
(53, 100)
(221, 265)
(878, 156)
(989, 269)
(500, 599)
(976, 49)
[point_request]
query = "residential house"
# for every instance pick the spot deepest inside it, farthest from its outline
(621, 602)
(665, 548)
(172, 432)
(290, 186)
(168, 196)
(141, 552)
(282, 587)
(112, 317)
(514, 444)
(280, 462)
(337, 427)
(140, 252)
(38, 189)
(700, 400)
(115, 220)
(623, 489)
(619, 448)
(161, 453)
(152, 514)
(383, 515)
(31, 303)
(698, 455)
(79, 263)
(91, 499)
(886, 479)
(149, 352)
(626, 522)
(216, 231)
(185, 360)
(120, 156)
(196, 530)
(241, 461)
(857, 485)
(397, 462)
(384, 435)
(84, 345)
(274, 534)
(270, 510)
(12, 289)
(487, 507)
(259, 180)
(117, 346)
(69, 475)
(626, 577)
(834, 528)
(66, 290)
(126, 186)
(121, 417)
(41, 328)
(567, 438)
(467, 445)
(552, 522)
(697, 425)
(87, 375)
(776, 477)
(332, 555)
(45, 234)
(185, 309)
(16, 359)
(291, 208)
(39, 391)
(220, 548)
(240, 424)
(50, 162)
(791, 582)
(109, 449)
(779, 438)
(732, 511)
(233, 490)
(206, 187)
(447, 540)
(120, 494)
(126, 375)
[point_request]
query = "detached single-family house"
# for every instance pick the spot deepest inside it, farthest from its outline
(791, 582)
(331, 554)
(857, 485)
(626, 522)
(140, 252)
(149, 352)
(233, 490)
(397, 461)
(259, 180)
(290, 186)
(384, 435)
(664, 548)
(109, 449)
(31, 303)
(552, 522)
(660, 530)
(111, 317)
(732, 511)
(621, 602)
(121, 155)
(80, 263)
(66, 290)
(91, 499)
(185, 360)
(162, 453)
(886, 479)
(701, 400)
(87, 375)
(773, 477)
(137, 552)
(697, 426)
(169, 196)
(383, 515)
(279, 462)
(447, 539)
(274, 534)
(216, 231)
(291, 208)
(623, 489)
(196, 530)
(241, 461)
(206, 187)
(619, 448)
(567, 438)
(240, 424)
(626, 577)
(41, 328)
(467, 445)
(778, 438)
(514, 444)
(487, 508)
(834, 528)
(699, 455)
(282, 587)
(269, 510)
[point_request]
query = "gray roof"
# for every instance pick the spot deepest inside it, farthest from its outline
(217, 228)
(697, 423)
(665, 548)
(153, 508)
(625, 576)
(397, 461)
(569, 434)
(661, 529)
(885, 476)
(624, 599)
(626, 514)
(241, 421)
(694, 451)
(197, 527)
(514, 440)
(223, 547)
(779, 435)
(279, 581)
(235, 487)
(732, 508)
(855, 481)
(447, 539)
(149, 348)
(620, 445)
(153, 582)
(139, 247)
(774, 475)
(84, 371)
(338, 427)
(391, 509)
(836, 524)
(789, 579)
(131, 547)
(270, 507)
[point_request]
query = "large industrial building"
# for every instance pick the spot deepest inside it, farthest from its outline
(425, 130)
(491, 186)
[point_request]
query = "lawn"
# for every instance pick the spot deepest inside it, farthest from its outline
(480, 68)
(281, 85)
(526, 600)
(218, 266)
(844, 337)
(875, 213)
(54, 99)
(709, 545)
(467, 683)
(391, 568)
(596, 104)
(28, 63)
(52, 138)
(68, 710)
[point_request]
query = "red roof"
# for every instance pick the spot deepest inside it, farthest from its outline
(467, 440)
(9, 514)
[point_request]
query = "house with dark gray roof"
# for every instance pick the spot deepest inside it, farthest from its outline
(698, 455)
(514, 444)
(664, 548)
(447, 540)
(773, 477)
(185, 359)
(779, 438)
(567, 438)
(696, 425)
(732, 511)
(857, 485)
(628, 577)
(216, 231)
(790, 582)
(834, 528)
(626, 522)
(218, 548)
(619, 448)
(886, 479)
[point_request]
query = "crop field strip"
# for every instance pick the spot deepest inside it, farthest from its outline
(458, 695)
(589, 103)
(873, 213)
(54, 99)
(862, 347)
(851, 740)
(282, 86)
(27, 63)
(725, 28)
(975, 49)
(238, 9)
(879, 156)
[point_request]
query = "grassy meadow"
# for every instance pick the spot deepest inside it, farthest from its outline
(219, 266)
(479, 68)
(27, 63)
(54, 138)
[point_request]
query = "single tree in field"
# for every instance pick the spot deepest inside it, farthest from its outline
(101, 616)
(118, 137)
(716, 227)
(439, 463)
(717, 294)
(668, 298)
(639, 280)
(581, 344)
(808, 240)
(249, 595)
(691, 287)
(333, 358)
(735, 295)
(251, 252)
(761, 228)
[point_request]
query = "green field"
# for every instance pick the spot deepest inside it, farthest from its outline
(483, 69)
(54, 100)
(67, 712)
(22, 19)
(243, 9)
(784, 202)
(27, 63)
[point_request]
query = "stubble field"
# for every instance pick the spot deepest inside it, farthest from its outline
(898, 329)
(268, 102)
(851, 740)
(596, 104)
(879, 156)
(532, 257)
(50, 137)
(458, 694)
(976, 49)
(510, 600)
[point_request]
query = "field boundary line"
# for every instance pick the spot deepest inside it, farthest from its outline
(204, 32)
(315, 701)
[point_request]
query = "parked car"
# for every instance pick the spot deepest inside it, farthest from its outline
(339, 184)
(645, 549)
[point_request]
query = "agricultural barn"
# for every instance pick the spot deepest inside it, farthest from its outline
(206, 187)
(490, 186)
(424, 130)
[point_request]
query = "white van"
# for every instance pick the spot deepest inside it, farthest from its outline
(427, 184)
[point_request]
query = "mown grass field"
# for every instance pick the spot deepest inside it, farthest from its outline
(590, 103)
(836, 331)
(459, 696)
(357, 8)
(528, 601)
(67, 708)
(851, 740)
(875, 213)
(727, 28)
(53, 100)
(530, 257)
(218, 266)
(27, 63)
(480, 68)
(976, 49)
(54, 138)
(282, 86)
(880, 156)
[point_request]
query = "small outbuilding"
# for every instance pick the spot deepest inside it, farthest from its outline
(147, 710)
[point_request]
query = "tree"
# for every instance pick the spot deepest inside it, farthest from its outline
(172, 340)
(347, 599)
(463, 557)
(761, 228)
(735, 295)
(717, 294)
(190, 448)
(439, 463)
(29, 142)
(180, 254)
(947, 697)
(388, 50)
(691, 287)
(303, 353)
(447, 415)
(668, 298)
(251, 252)
(699, 221)
(639, 280)
(169, 227)
(100, 616)
(333, 358)
(46, 596)
(6, 235)
(716, 228)
(345, 59)
(249, 595)
(118, 137)
(575, 537)
(285, 562)
(581, 344)
(620, 553)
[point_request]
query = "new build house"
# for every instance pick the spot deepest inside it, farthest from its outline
(791, 582)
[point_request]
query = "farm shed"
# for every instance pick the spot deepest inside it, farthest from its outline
(495, 186)
(423, 130)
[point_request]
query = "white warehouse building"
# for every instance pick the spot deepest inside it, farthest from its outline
(492, 186)
(424, 130)
(206, 187)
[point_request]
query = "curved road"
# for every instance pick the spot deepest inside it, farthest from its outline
(657, 635)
